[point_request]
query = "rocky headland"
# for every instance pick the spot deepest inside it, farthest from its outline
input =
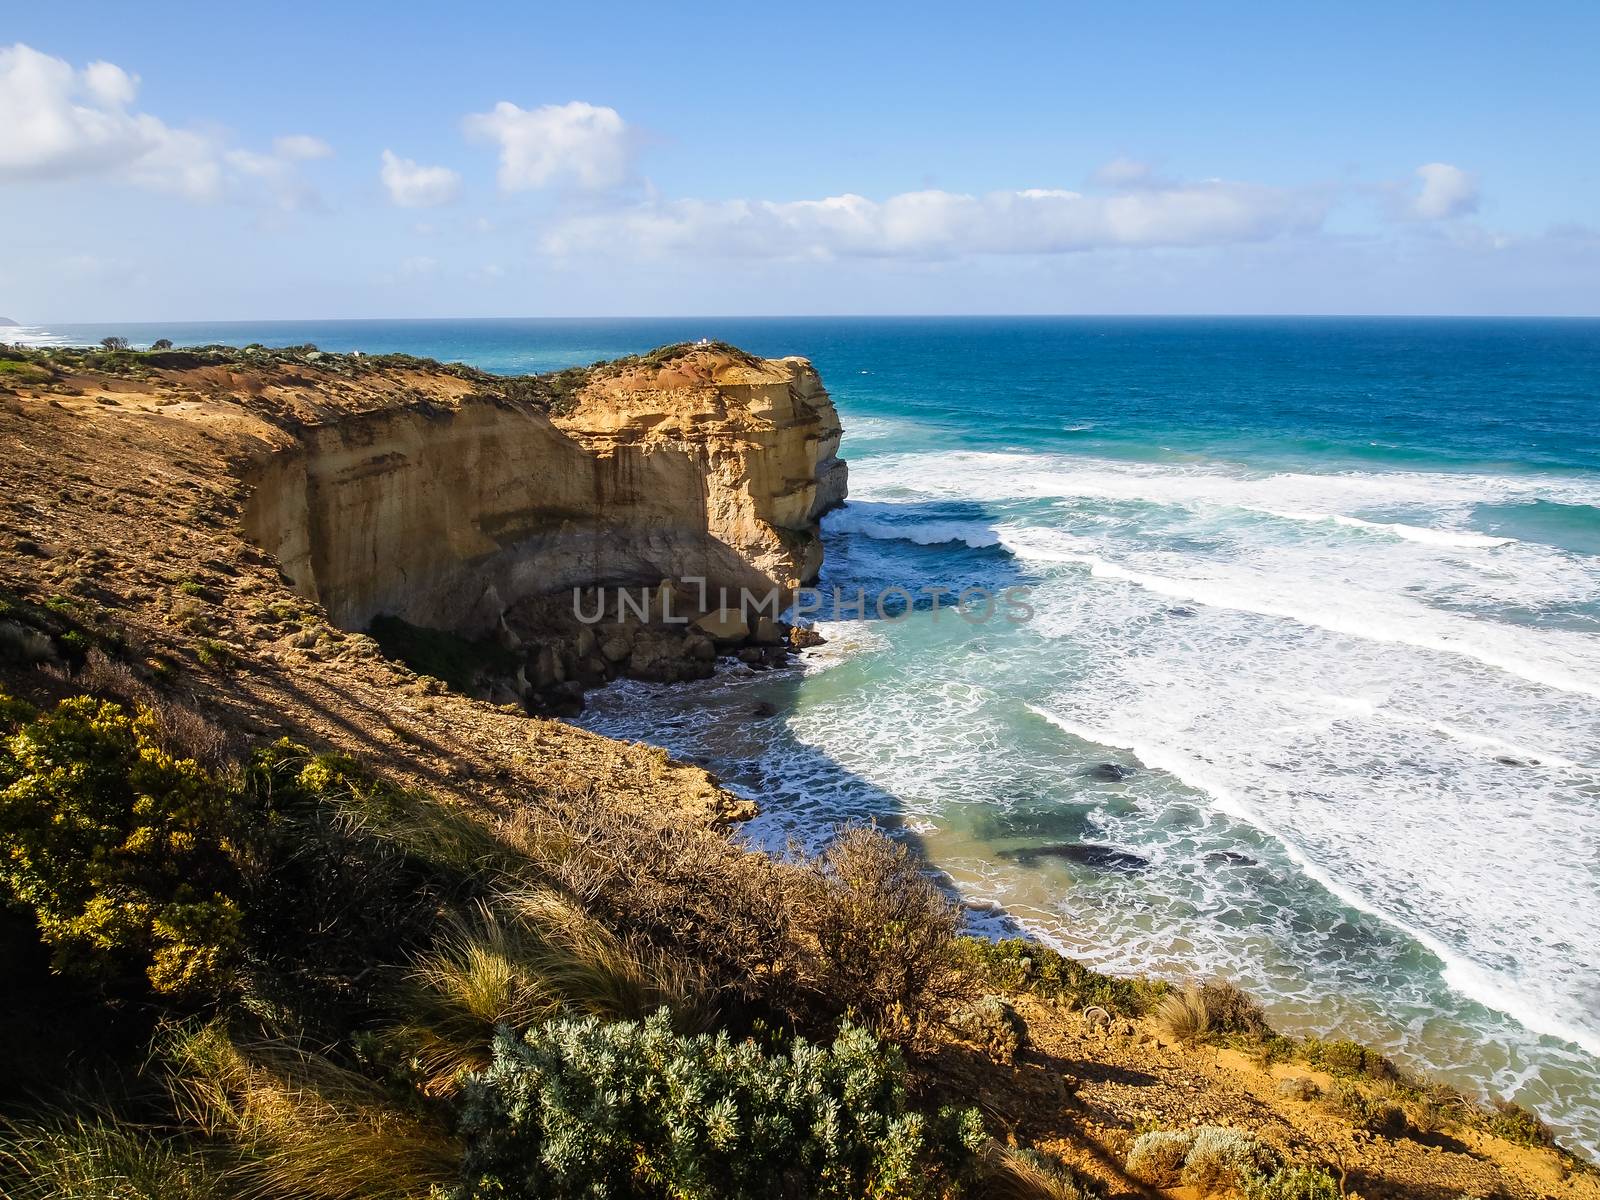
(278, 633)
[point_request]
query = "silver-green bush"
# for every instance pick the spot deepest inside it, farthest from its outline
(589, 1108)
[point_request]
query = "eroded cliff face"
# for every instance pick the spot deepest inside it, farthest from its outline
(448, 512)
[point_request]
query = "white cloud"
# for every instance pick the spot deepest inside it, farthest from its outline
(411, 185)
(1446, 192)
(301, 146)
(106, 83)
(583, 145)
(62, 123)
(1124, 173)
(938, 224)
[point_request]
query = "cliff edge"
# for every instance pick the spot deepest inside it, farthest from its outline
(692, 462)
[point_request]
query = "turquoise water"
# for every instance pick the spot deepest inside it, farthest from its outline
(1312, 691)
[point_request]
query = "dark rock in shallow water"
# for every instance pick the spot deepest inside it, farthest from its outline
(1229, 858)
(764, 708)
(1110, 772)
(1087, 854)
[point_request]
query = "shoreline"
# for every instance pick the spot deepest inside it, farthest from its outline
(139, 543)
(996, 919)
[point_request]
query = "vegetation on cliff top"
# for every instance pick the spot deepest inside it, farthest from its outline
(551, 391)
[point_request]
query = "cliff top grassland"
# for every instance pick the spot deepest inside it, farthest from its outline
(283, 917)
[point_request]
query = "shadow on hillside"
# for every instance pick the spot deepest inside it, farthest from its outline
(739, 724)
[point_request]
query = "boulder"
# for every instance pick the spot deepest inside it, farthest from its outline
(724, 626)
(1101, 858)
(803, 637)
(1111, 772)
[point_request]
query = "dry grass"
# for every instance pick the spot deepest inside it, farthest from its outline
(102, 1159)
(1209, 1010)
(304, 1127)
(530, 956)
(664, 879)
(1182, 1017)
(1014, 1173)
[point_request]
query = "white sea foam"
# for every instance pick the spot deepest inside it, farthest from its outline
(1569, 662)
(1497, 747)
(860, 520)
(31, 335)
(990, 476)
(1469, 978)
(1455, 539)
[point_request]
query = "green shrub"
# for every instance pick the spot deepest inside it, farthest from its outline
(1298, 1087)
(886, 936)
(1294, 1183)
(219, 656)
(119, 848)
(1208, 1158)
(1348, 1059)
(1516, 1124)
(1229, 1010)
(994, 1024)
(584, 1108)
(1017, 965)
(1373, 1109)
(1225, 1158)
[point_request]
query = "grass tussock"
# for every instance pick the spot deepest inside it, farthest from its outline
(1183, 1018)
(529, 958)
(300, 1125)
(1018, 1173)
(1210, 1012)
(101, 1158)
(672, 884)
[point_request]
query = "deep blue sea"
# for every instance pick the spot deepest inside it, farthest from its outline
(1311, 696)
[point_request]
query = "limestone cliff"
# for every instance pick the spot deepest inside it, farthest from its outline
(447, 511)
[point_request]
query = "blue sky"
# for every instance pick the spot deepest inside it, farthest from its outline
(188, 161)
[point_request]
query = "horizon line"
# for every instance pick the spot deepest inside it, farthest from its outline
(1006, 316)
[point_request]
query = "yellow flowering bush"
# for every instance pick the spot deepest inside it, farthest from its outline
(116, 846)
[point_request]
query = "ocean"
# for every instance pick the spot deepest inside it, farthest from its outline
(1311, 693)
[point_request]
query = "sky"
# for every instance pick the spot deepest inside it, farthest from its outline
(187, 161)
